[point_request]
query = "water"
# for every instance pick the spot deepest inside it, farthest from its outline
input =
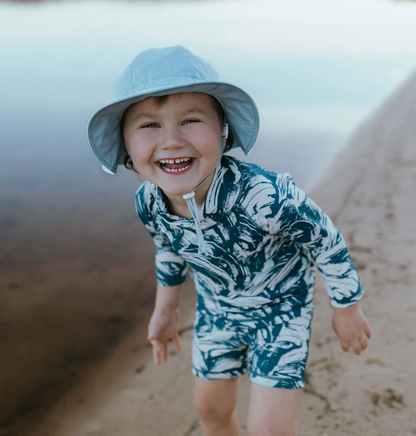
(76, 263)
(314, 68)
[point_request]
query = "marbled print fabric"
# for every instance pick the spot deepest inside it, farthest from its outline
(255, 285)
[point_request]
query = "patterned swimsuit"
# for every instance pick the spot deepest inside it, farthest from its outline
(255, 285)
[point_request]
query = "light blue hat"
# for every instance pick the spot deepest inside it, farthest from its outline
(163, 71)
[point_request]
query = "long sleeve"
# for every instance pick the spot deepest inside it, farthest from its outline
(171, 268)
(286, 211)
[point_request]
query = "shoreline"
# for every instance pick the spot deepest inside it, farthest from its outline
(368, 191)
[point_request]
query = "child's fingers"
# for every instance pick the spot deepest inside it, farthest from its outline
(345, 345)
(356, 346)
(153, 332)
(364, 342)
(165, 352)
(158, 352)
(156, 357)
(368, 331)
(177, 343)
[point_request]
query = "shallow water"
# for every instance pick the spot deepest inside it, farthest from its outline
(76, 264)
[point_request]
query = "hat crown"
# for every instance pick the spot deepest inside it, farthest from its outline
(163, 68)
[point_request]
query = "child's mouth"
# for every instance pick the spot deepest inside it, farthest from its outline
(176, 165)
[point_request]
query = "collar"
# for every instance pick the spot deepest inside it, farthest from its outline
(221, 197)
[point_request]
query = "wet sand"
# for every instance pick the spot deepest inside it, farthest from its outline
(77, 274)
(369, 192)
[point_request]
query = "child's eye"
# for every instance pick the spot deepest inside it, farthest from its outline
(149, 125)
(191, 121)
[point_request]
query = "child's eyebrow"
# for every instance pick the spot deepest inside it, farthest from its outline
(184, 113)
(144, 115)
(193, 110)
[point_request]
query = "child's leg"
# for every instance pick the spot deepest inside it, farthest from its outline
(272, 411)
(215, 402)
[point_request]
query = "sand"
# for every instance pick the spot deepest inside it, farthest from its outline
(369, 191)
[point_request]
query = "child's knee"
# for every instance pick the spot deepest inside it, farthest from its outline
(213, 402)
(209, 412)
(209, 409)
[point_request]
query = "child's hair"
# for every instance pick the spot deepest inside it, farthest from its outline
(160, 100)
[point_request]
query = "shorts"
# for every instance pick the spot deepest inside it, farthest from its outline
(273, 353)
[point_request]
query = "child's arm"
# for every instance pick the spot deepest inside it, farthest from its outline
(352, 327)
(312, 228)
(296, 217)
(171, 272)
(293, 215)
(164, 323)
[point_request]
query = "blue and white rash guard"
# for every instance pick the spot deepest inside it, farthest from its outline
(263, 235)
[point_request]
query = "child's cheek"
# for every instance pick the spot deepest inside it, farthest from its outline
(141, 150)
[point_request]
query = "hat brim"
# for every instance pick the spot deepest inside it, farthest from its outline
(104, 134)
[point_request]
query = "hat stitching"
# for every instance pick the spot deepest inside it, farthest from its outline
(131, 76)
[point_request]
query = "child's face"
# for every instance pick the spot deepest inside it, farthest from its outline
(184, 129)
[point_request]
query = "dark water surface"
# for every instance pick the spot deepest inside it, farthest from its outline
(76, 266)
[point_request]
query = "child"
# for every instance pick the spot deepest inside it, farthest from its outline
(250, 236)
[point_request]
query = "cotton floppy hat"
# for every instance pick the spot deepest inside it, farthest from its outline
(165, 71)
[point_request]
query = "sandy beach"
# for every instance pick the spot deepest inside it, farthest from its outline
(369, 193)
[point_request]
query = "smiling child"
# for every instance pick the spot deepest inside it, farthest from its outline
(251, 237)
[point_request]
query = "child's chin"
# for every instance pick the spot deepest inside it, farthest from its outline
(179, 191)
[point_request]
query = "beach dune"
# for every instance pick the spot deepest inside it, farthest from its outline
(369, 191)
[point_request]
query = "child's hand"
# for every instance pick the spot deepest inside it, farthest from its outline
(351, 325)
(163, 326)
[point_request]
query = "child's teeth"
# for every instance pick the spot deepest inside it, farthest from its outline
(175, 170)
(171, 161)
(175, 161)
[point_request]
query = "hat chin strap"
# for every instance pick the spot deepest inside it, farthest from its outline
(190, 198)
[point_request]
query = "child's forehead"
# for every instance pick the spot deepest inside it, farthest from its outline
(175, 102)
(179, 99)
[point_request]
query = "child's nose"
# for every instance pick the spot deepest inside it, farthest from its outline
(172, 138)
